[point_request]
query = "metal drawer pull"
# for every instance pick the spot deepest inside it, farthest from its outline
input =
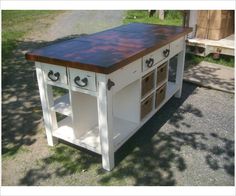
(149, 62)
(53, 76)
(166, 52)
(84, 81)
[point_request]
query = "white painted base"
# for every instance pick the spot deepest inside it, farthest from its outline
(99, 119)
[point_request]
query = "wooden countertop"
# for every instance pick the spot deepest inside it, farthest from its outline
(109, 50)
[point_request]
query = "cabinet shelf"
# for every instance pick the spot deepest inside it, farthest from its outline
(91, 139)
(62, 105)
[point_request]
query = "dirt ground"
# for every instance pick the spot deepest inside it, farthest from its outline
(190, 141)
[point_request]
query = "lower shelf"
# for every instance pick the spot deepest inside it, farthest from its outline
(91, 140)
(123, 129)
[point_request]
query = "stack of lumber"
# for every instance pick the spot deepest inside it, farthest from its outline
(215, 24)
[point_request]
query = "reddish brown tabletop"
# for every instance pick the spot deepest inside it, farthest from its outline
(107, 51)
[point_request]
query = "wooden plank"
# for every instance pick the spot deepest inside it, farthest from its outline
(124, 44)
(105, 123)
(46, 97)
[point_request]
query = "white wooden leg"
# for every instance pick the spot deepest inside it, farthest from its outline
(46, 97)
(105, 123)
(180, 72)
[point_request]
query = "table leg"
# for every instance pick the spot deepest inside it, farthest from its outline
(180, 72)
(105, 118)
(46, 97)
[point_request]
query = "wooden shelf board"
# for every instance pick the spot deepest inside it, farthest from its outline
(91, 140)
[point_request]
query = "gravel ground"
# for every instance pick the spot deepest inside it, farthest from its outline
(190, 141)
(80, 22)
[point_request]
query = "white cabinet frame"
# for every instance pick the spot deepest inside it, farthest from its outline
(106, 136)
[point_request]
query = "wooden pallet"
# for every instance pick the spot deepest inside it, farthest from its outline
(204, 47)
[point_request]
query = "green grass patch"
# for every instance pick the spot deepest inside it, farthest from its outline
(171, 17)
(16, 24)
(14, 151)
(225, 60)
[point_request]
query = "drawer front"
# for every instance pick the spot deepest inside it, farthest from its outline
(126, 75)
(54, 73)
(161, 73)
(147, 83)
(176, 46)
(160, 95)
(146, 106)
(83, 79)
(155, 57)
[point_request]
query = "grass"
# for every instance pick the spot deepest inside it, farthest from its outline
(16, 24)
(171, 17)
(223, 60)
(174, 18)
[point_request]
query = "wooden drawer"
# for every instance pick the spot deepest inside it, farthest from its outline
(161, 73)
(125, 75)
(160, 95)
(55, 74)
(155, 57)
(147, 83)
(83, 79)
(146, 106)
(176, 46)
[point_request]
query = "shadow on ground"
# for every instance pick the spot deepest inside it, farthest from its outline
(21, 108)
(207, 75)
(148, 158)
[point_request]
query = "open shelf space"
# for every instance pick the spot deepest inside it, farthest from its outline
(62, 105)
(91, 139)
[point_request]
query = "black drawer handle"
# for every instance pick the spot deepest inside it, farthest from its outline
(81, 83)
(146, 102)
(53, 76)
(166, 52)
(162, 69)
(161, 91)
(149, 62)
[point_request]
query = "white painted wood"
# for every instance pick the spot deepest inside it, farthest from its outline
(180, 72)
(226, 45)
(90, 140)
(91, 77)
(122, 130)
(55, 68)
(176, 46)
(171, 89)
(126, 102)
(62, 105)
(85, 91)
(157, 55)
(105, 119)
(126, 75)
(49, 117)
(101, 120)
(85, 114)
